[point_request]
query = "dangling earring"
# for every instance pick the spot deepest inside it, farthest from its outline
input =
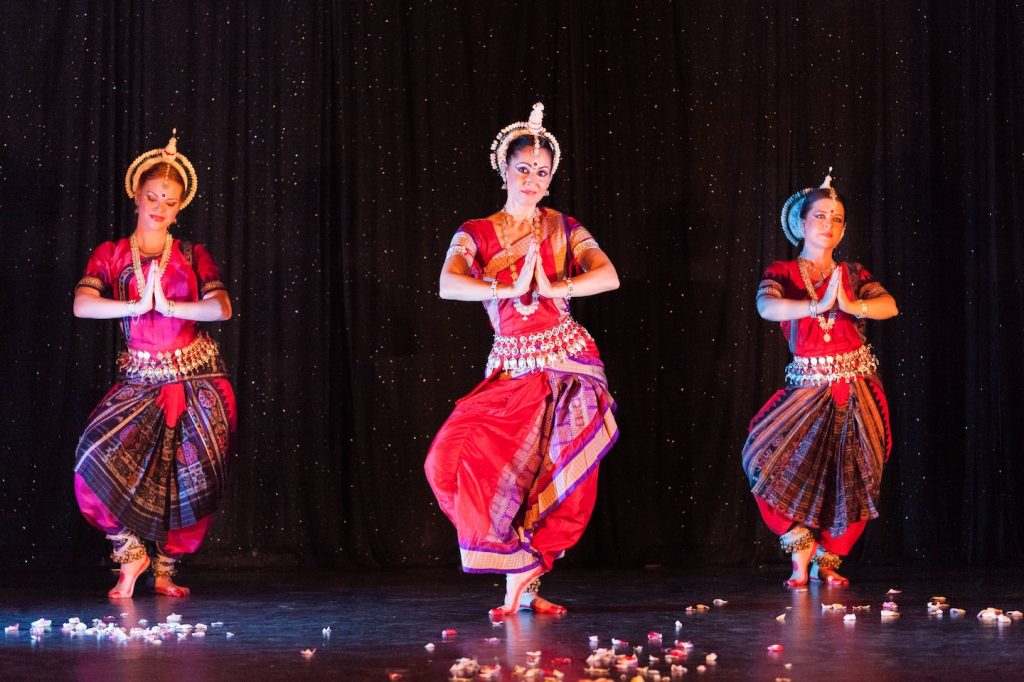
(547, 192)
(504, 185)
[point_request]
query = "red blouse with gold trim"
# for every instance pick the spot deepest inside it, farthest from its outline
(805, 336)
(109, 271)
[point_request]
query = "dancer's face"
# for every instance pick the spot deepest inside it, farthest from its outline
(159, 201)
(528, 175)
(825, 223)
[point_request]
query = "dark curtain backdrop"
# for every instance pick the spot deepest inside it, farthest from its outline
(339, 145)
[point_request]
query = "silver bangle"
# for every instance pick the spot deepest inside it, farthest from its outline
(863, 309)
(131, 308)
(494, 289)
(170, 309)
(813, 309)
(568, 284)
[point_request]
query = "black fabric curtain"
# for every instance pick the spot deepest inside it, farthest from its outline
(339, 145)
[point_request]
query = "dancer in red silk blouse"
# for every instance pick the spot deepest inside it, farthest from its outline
(515, 465)
(815, 452)
(152, 462)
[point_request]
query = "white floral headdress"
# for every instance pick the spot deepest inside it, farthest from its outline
(792, 225)
(534, 126)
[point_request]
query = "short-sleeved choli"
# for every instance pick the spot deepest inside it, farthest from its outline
(207, 271)
(108, 260)
(805, 336)
(191, 274)
(98, 270)
(469, 240)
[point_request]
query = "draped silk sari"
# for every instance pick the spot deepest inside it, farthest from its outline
(515, 465)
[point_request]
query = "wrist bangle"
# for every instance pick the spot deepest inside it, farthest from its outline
(863, 308)
(494, 290)
(131, 308)
(812, 309)
(170, 309)
(568, 284)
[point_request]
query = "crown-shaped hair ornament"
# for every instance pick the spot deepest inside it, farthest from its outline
(169, 155)
(534, 126)
(792, 226)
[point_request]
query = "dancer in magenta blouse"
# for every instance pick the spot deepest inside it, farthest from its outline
(153, 460)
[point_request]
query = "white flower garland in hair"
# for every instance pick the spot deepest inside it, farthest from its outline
(789, 218)
(533, 126)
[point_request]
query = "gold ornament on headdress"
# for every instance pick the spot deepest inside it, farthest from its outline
(792, 226)
(533, 126)
(170, 156)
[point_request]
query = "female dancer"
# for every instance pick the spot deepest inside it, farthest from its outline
(515, 465)
(815, 451)
(153, 460)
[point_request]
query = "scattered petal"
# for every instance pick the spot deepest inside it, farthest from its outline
(701, 668)
(623, 663)
(490, 672)
(199, 633)
(142, 621)
(430, 647)
(711, 658)
(42, 623)
(174, 618)
(679, 626)
(229, 635)
(1016, 615)
(781, 618)
(956, 613)
(308, 653)
(720, 602)
(445, 634)
(217, 624)
(788, 666)
(11, 629)
(850, 618)
(775, 648)
(653, 636)
(891, 606)
(492, 640)
(593, 640)
(326, 632)
(892, 591)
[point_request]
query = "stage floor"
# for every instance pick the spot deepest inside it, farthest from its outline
(382, 621)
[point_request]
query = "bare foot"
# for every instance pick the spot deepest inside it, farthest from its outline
(167, 587)
(827, 575)
(541, 605)
(801, 559)
(130, 572)
(515, 583)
